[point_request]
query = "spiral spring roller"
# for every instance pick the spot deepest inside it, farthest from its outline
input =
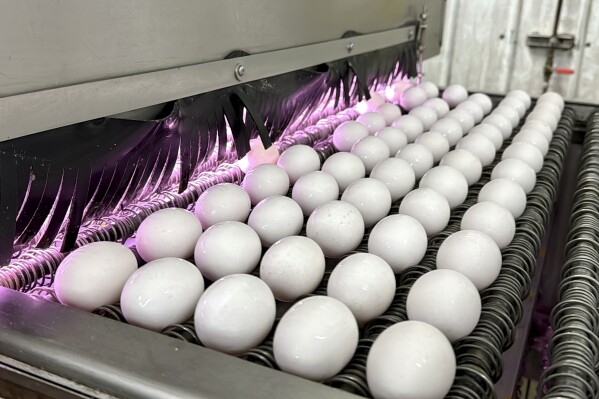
(574, 346)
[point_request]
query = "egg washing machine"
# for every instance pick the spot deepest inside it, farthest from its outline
(110, 111)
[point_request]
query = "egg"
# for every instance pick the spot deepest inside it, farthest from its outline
(448, 182)
(299, 160)
(473, 109)
(337, 227)
(543, 116)
(465, 120)
(345, 168)
(418, 156)
(455, 94)
(464, 162)
(436, 143)
(316, 338)
(314, 189)
(162, 292)
(94, 275)
(516, 170)
(509, 113)
(260, 183)
(235, 314)
(483, 101)
(427, 116)
(491, 132)
(397, 175)
(373, 121)
(430, 89)
(515, 104)
(258, 155)
(226, 201)
(450, 128)
(472, 253)
(371, 197)
(500, 122)
(276, 217)
(395, 138)
(410, 359)
(447, 300)
(539, 127)
(347, 134)
(492, 219)
(549, 107)
(525, 152)
(365, 283)
(438, 105)
(171, 232)
(522, 96)
(552, 97)
(506, 193)
(533, 137)
(292, 267)
(227, 248)
(428, 207)
(371, 150)
(390, 112)
(480, 146)
(410, 125)
(412, 98)
(400, 240)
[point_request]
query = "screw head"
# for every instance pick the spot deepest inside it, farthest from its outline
(411, 34)
(239, 71)
(350, 47)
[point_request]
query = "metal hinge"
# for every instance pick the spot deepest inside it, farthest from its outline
(563, 41)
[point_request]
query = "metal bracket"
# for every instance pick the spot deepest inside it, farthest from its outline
(562, 41)
(423, 18)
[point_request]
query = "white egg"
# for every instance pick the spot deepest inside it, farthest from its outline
(235, 314)
(549, 107)
(506, 193)
(410, 359)
(447, 300)
(525, 152)
(227, 248)
(400, 240)
(491, 132)
(171, 232)
(543, 116)
(448, 182)
(299, 160)
(262, 182)
(371, 150)
(480, 146)
(483, 101)
(224, 202)
(522, 96)
(472, 253)
(395, 138)
(437, 104)
(345, 168)
(509, 113)
(412, 98)
(347, 134)
(430, 89)
(436, 143)
(292, 267)
(516, 170)
(390, 112)
(552, 97)
(94, 275)
(316, 338)
(492, 219)
(314, 189)
(419, 157)
(539, 127)
(427, 116)
(533, 137)
(371, 197)
(373, 121)
(516, 104)
(455, 94)
(162, 292)
(473, 109)
(276, 217)
(397, 175)
(466, 163)
(376, 98)
(410, 125)
(500, 122)
(337, 227)
(464, 118)
(428, 207)
(258, 155)
(450, 128)
(365, 283)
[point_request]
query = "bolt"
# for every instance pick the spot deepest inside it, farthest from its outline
(411, 34)
(239, 71)
(350, 47)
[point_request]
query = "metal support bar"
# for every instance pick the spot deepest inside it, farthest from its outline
(562, 41)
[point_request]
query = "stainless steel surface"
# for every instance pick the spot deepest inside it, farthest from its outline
(129, 362)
